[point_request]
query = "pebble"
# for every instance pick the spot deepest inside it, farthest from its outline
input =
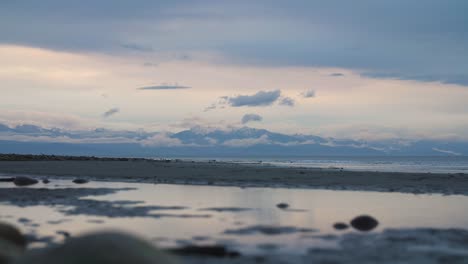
(340, 226)
(364, 223)
(282, 205)
(80, 181)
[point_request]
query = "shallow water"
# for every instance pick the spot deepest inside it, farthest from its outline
(236, 208)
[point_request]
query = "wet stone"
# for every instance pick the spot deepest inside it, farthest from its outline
(24, 181)
(364, 223)
(80, 181)
(282, 205)
(340, 226)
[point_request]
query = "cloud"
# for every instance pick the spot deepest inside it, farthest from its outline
(287, 101)
(262, 98)
(345, 34)
(251, 118)
(308, 94)
(164, 87)
(111, 112)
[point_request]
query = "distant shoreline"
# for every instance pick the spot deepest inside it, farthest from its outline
(228, 174)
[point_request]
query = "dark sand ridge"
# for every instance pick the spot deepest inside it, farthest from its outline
(229, 174)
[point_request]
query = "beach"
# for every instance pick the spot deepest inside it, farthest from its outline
(232, 174)
(221, 212)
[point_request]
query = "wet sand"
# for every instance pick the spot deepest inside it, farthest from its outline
(241, 175)
(414, 245)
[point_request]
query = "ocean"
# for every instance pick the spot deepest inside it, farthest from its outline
(422, 164)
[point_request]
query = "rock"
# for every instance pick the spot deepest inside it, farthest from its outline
(80, 181)
(282, 205)
(364, 223)
(45, 181)
(100, 248)
(8, 251)
(208, 251)
(340, 226)
(12, 243)
(24, 181)
(11, 234)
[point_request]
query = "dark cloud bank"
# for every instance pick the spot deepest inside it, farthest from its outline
(382, 39)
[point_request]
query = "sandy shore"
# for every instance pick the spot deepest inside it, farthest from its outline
(416, 245)
(228, 174)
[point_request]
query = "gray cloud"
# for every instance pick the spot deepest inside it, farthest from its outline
(262, 98)
(308, 94)
(388, 39)
(251, 118)
(164, 87)
(287, 101)
(111, 112)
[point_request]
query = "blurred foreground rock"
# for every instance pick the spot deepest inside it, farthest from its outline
(12, 243)
(100, 248)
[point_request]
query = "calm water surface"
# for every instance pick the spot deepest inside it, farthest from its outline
(312, 209)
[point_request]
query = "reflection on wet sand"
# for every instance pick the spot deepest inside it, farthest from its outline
(226, 221)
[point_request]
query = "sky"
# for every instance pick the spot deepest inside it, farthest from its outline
(360, 69)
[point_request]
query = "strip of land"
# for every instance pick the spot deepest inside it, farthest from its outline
(229, 174)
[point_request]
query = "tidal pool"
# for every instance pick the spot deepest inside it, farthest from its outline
(244, 219)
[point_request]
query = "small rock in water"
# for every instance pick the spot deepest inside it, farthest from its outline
(45, 181)
(282, 205)
(102, 248)
(80, 181)
(340, 226)
(364, 223)
(24, 181)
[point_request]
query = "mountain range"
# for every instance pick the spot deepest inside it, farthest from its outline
(209, 142)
